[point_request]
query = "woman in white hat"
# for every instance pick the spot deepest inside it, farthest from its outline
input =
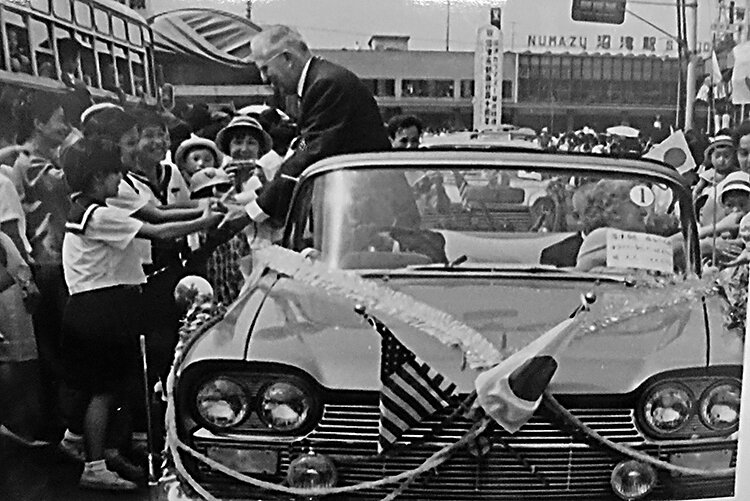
(244, 139)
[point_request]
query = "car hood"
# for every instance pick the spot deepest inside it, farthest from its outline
(290, 323)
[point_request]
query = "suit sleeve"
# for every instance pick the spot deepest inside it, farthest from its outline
(322, 134)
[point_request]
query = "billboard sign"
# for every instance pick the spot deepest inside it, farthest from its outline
(488, 78)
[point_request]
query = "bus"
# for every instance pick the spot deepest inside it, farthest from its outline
(116, 48)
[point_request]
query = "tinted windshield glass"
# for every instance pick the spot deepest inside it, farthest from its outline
(506, 218)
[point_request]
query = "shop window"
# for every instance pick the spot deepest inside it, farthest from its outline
(507, 89)
(371, 85)
(607, 68)
(545, 63)
(414, 88)
(440, 88)
(467, 88)
(565, 67)
(386, 87)
(627, 69)
(637, 70)
(617, 68)
(598, 64)
(587, 72)
(647, 73)
(576, 68)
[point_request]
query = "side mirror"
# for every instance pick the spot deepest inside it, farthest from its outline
(191, 290)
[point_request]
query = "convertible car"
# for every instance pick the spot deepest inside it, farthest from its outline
(286, 388)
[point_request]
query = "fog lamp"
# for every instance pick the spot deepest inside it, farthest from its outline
(312, 470)
(632, 480)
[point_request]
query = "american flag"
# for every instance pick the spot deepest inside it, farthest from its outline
(412, 390)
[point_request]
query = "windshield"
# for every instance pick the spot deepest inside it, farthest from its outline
(494, 218)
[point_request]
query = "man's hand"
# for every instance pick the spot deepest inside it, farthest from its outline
(235, 218)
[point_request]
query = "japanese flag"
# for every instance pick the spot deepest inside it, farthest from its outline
(511, 391)
(673, 151)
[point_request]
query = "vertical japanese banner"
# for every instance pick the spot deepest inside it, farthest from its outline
(488, 78)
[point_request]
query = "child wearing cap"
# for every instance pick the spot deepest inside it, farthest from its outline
(103, 273)
(195, 154)
(721, 156)
(734, 193)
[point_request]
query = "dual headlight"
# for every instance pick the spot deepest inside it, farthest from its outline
(667, 407)
(282, 405)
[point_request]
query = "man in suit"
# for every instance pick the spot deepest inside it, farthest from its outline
(337, 115)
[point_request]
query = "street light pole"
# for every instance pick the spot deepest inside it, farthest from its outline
(691, 14)
(448, 27)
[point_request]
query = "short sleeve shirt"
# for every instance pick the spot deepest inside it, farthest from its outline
(132, 196)
(104, 254)
(11, 208)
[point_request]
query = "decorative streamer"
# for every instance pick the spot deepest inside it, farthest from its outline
(479, 353)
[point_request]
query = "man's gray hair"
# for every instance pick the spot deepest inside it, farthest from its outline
(278, 38)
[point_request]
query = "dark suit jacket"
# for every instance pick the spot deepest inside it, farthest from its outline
(563, 253)
(337, 115)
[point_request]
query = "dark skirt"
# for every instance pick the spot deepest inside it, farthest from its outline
(100, 332)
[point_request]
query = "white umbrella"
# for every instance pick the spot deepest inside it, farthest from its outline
(623, 130)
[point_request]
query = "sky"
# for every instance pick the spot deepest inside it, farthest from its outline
(335, 24)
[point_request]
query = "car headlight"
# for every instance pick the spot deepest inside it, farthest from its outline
(667, 407)
(222, 403)
(285, 405)
(720, 406)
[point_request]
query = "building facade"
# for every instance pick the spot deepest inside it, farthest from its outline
(557, 90)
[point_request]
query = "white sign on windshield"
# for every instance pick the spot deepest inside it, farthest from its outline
(630, 249)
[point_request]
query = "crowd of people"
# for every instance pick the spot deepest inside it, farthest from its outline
(104, 208)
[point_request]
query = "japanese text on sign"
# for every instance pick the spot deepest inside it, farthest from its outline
(630, 249)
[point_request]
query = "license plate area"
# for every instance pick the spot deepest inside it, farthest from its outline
(246, 460)
(704, 460)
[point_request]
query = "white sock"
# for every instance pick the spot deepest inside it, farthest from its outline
(73, 437)
(99, 464)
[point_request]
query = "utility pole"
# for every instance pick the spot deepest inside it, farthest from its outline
(691, 16)
(447, 27)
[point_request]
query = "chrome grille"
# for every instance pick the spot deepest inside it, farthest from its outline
(567, 465)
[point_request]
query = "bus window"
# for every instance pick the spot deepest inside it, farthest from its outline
(134, 34)
(18, 43)
(83, 14)
(101, 19)
(88, 64)
(118, 28)
(40, 5)
(123, 70)
(139, 73)
(147, 36)
(62, 9)
(41, 45)
(107, 69)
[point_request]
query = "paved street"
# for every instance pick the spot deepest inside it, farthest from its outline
(46, 475)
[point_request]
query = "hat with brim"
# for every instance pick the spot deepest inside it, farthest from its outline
(252, 126)
(719, 142)
(736, 181)
(208, 178)
(195, 142)
(96, 108)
